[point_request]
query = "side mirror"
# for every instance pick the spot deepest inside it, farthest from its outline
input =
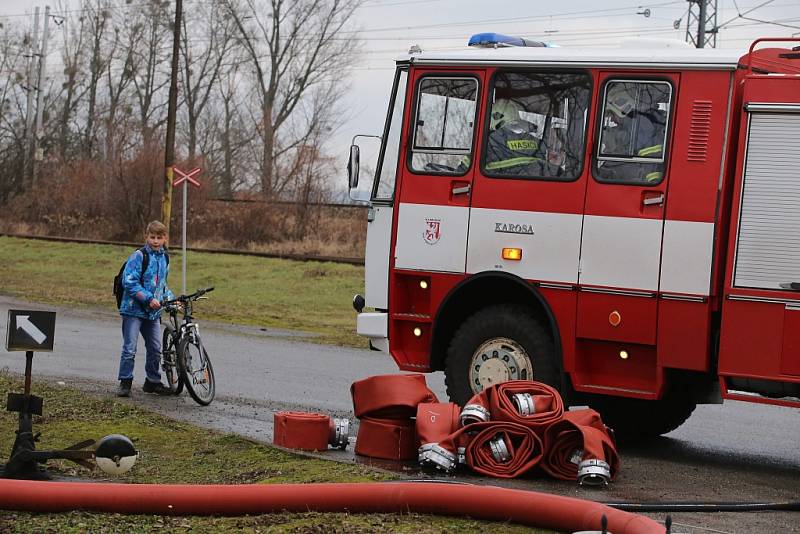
(353, 166)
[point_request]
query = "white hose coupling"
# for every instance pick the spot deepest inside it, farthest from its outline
(594, 473)
(462, 455)
(431, 454)
(499, 449)
(340, 433)
(474, 413)
(523, 402)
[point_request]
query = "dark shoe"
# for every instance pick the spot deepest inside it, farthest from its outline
(156, 387)
(124, 389)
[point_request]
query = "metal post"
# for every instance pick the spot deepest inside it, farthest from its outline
(28, 365)
(183, 240)
(32, 52)
(39, 90)
(701, 27)
(169, 150)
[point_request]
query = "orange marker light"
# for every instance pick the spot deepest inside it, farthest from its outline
(514, 254)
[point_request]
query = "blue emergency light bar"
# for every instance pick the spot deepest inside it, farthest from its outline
(498, 40)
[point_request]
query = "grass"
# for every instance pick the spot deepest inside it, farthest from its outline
(307, 296)
(176, 452)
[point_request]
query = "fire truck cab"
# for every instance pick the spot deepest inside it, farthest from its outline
(622, 224)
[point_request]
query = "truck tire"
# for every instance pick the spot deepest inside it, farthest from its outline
(635, 419)
(499, 343)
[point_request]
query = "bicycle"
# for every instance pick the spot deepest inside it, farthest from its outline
(184, 359)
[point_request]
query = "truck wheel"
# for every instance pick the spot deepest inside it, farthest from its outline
(496, 344)
(633, 419)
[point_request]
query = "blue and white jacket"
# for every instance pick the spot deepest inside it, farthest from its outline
(139, 290)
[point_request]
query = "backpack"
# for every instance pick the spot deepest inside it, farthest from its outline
(118, 289)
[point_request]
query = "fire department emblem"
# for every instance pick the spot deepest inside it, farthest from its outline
(433, 231)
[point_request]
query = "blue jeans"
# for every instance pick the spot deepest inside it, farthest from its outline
(151, 332)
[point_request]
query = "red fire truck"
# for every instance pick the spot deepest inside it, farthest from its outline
(622, 224)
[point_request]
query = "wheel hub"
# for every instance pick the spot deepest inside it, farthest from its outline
(498, 360)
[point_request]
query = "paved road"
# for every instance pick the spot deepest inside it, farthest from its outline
(735, 452)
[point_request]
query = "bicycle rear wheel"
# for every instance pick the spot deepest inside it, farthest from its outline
(195, 367)
(169, 360)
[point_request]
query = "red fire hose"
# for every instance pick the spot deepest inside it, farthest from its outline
(302, 430)
(480, 502)
(503, 449)
(390, 396)
(579, 436)
(389, 439)
(528, 403)
(436, 420)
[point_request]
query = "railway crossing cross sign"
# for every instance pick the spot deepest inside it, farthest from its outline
(186, 176)
(30, 330)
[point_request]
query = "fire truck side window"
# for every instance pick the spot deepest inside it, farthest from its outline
(444, 125)
(537, 125)
(633, 136)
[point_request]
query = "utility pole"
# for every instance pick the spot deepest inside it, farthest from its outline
(39, 90)
(169, 152)
(702, 17)
(32, 52)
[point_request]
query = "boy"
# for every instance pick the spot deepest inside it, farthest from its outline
(140, 309)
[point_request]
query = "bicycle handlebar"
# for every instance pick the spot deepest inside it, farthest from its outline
(186, 298)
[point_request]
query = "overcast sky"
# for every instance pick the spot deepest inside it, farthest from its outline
(387, 28)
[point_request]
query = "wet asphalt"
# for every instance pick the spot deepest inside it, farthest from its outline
(732, 452)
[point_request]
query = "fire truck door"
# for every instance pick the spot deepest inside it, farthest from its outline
(760, 336)
(435, 191)
(624, 210)
(379, 225)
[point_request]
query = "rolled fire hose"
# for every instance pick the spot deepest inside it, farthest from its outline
(302, 430)
(528, 508)
(511, 401)
(580, 447)
(389, 439)
(502, 449)
(436, 421)
(390, 396)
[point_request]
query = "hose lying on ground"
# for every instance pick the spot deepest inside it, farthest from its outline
(792, 506)
(479, 502)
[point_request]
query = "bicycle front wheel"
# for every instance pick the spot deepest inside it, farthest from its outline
(195, 367)
(169, 360)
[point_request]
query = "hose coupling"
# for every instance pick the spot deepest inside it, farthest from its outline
(462, 455)
(340, 433)
(431, 454)
(523, 402)
(594, 473)
(474, 413)
(499, 449)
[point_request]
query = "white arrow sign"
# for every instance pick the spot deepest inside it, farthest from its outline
(23, 321)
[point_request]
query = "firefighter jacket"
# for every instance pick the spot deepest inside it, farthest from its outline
(639, 136)
(515, 148)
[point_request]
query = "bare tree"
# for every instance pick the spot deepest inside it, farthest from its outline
(294, 52)
(148, 39)
(97, 16)
(202, 59)
(12, 110)
(72, 56)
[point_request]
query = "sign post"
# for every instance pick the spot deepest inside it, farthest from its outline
(27, 331)
(185, 178)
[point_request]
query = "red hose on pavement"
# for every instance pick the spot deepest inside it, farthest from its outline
(390, 396)
(480, 502)
(436, 420)
(389, 439)
(580, 435)
(523, 449)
